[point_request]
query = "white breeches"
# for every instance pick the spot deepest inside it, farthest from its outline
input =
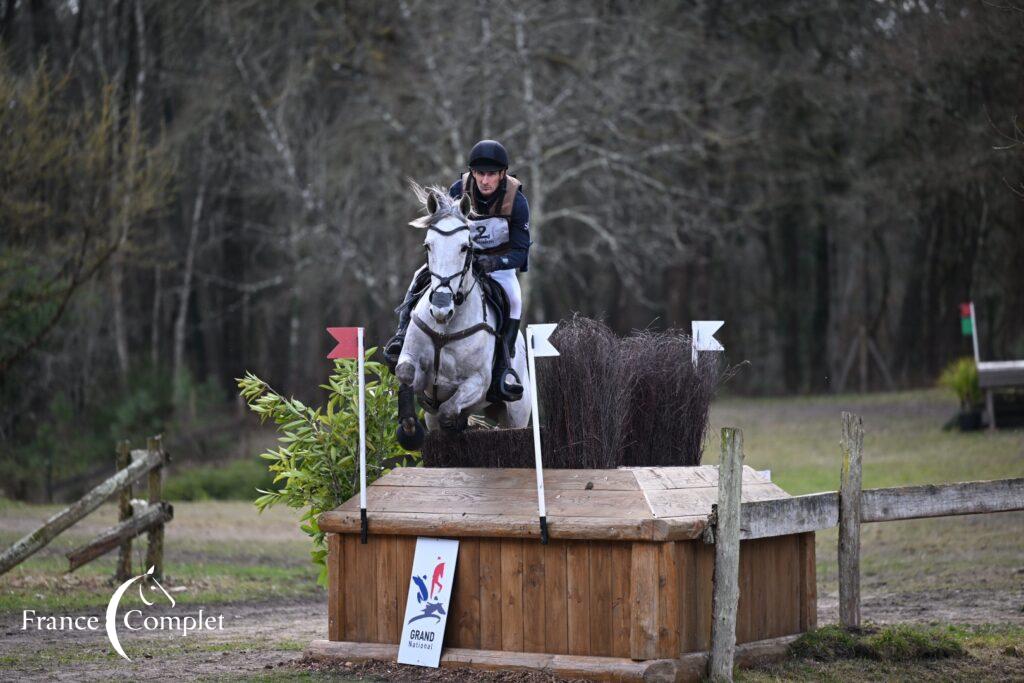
(510, 283)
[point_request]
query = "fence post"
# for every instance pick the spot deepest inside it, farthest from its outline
(852, 445)
(124, 558)
(725, 593)
(155, 547)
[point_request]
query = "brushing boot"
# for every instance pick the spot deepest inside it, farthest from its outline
(505, 382)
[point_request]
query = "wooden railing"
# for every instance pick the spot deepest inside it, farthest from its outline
(135, 519)
(846, 508)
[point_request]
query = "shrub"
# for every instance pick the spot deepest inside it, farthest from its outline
(899, 643)
(317, 466)
(961, 377)
(236, 480)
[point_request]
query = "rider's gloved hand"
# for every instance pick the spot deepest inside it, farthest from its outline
(488, 264)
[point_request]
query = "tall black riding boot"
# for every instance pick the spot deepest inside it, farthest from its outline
(505, 382)
(393, 349)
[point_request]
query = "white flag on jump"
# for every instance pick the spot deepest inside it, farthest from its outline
(541, 345)
(704, 337)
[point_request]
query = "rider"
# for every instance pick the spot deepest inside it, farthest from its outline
(501, 233)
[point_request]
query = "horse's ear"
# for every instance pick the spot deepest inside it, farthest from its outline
(421, 222)
(465, 204)
(432, 203)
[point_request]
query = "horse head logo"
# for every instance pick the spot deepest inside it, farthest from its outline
(115, 600)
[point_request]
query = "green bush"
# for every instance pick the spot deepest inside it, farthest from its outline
(961, 377)
(236, 480)
(317, 466)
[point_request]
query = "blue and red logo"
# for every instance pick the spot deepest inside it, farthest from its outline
(432, 606)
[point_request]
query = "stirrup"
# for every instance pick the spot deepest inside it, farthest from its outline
(501, 390)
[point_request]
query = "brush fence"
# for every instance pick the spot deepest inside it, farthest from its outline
(625, 577)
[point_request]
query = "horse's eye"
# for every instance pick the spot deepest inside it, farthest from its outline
(465, 248)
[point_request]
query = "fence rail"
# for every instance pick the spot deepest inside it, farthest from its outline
(149, 461)
(847, 509)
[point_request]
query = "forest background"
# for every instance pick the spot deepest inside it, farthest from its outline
(194, 189)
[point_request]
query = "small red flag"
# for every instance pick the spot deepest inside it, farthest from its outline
(965, 310)
(348, 342)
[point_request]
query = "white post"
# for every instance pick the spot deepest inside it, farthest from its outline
(535, 418)
(362, 437)
(974, 334)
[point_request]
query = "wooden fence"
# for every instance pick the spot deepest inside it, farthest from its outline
(846, 508)
(134, 518)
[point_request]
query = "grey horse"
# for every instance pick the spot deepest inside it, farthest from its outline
(449, 349)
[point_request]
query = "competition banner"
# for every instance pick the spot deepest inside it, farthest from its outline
(426, 608)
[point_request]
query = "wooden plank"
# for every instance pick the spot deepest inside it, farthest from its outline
(808, 583)
(515, 525)
(124, 508)
(643, 637)
(852, 444)
(534, 607)
(509, 478)
(563, 666)
(350, 603)
(601, 599)
(669, 599)
(746, 604)
(512, 595)
(490, 594)
(143, 520)
(40, 537)
(556, 598)
(577, 572)
(725, 594)
(155, 538)
(621, 605)
(698, 500)
(389, 619)
(405, 553)
(940, 500)
(335, 588)
(786, 516)
(483, 501)
(465, 605)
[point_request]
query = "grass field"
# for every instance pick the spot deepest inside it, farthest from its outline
(965, 574)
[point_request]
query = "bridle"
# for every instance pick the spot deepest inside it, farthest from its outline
(439, 298)
(441, 339)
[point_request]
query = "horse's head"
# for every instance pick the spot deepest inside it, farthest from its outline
(449, 249)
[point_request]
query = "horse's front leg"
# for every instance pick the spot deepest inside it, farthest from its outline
(470, 393)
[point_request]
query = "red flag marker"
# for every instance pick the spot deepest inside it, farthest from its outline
(350, 345)
(348, 342)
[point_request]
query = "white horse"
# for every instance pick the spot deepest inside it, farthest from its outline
(448, 352)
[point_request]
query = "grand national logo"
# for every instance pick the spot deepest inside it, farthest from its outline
(428, 598)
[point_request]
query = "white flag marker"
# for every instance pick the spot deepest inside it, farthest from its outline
(350, 345)
(362, 442)
(704, 337)
(537, 344)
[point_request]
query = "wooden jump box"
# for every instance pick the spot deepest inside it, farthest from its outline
(622, 589)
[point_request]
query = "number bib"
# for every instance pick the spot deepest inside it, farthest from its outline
(489, 232)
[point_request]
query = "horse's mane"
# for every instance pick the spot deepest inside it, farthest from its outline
(446, 204)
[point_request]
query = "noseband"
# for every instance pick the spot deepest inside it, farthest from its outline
(441, 299)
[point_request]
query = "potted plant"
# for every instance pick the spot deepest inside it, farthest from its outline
(961, 376)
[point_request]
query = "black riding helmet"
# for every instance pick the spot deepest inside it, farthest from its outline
(488, 155)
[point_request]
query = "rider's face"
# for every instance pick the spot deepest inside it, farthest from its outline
(488, 181)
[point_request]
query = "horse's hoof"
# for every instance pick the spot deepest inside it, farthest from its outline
(454, 424)
(410, 436)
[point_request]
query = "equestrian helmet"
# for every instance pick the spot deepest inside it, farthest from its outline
(488, 155)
